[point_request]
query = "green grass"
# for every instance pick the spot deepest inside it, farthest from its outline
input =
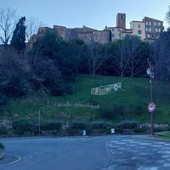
(164, 135)
(133, 97)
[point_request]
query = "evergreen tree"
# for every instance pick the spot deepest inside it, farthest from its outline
(18, 39)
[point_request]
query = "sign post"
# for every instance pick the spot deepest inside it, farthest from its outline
(151, 105)
(151, 109)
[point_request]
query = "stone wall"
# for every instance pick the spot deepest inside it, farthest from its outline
(86, 34)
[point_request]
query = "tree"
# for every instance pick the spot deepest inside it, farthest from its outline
(168, 16)
(18, 39)
(121, 58)
(13, 74)
(160, 56)
(98, 54)
(45, 61)
(7, 20)
(32, 25)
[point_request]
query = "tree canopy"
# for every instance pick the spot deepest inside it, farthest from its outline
(18, 38)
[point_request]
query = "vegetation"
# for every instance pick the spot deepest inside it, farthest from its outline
(18, 38)
(51, 80)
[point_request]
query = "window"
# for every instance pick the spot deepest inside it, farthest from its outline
(139, 31)
(148, 23)
(159, 23)
(138, 25)
(155, 23)
(157, 30)
(148, 29)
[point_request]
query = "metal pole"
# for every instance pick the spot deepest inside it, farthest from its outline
(39, 118)
(152, 124)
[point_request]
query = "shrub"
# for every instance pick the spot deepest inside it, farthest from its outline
(2, 147)
(127, 124)
(21, 126)
(51, 125)
(99, 125)
(3, 130)
(79, 125)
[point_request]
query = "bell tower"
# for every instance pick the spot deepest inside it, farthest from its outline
(121, 20)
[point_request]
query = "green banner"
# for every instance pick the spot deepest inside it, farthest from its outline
(102, 90)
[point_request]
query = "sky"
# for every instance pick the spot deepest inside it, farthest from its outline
(92, 13)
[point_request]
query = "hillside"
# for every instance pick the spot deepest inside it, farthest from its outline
(129, 103)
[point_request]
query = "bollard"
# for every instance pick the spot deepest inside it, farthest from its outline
(84, 132)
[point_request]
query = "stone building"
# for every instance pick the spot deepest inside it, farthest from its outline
(153, 27)
(88, 35)
(147, 29)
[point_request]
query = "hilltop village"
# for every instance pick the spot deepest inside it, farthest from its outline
(148, 29)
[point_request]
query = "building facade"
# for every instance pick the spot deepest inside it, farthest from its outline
(148, 29)
(138, 29)
(153, 27)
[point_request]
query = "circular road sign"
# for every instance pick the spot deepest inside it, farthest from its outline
(151, 107)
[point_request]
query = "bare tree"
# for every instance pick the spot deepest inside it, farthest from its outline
(168, 15)
(7, 23)
(121, 58)
(98, 54)
(32, 26)
(133, 53)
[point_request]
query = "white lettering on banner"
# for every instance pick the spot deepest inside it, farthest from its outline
(102, 90)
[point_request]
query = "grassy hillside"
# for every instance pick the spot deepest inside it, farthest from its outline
(128, 103)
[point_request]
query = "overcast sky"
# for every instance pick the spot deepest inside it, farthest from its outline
(91, 13)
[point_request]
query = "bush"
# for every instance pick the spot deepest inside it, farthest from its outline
(3, 130)
(21, 126)
(127, 124)
(51, 125)
(99, 125)
(79, 125)
(2, 147)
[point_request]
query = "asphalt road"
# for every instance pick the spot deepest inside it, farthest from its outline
(88, 153)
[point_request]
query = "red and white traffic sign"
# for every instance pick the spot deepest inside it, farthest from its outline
(151, 107)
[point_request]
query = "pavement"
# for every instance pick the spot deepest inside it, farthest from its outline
(120, 146)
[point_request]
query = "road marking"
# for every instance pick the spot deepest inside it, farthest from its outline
(13, 162)
(166, 165)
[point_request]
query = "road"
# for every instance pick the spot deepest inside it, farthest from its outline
(88, 153)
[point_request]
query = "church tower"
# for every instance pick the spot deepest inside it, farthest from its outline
(121, 20)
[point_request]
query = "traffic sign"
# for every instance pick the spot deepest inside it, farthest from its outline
(151, 107)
